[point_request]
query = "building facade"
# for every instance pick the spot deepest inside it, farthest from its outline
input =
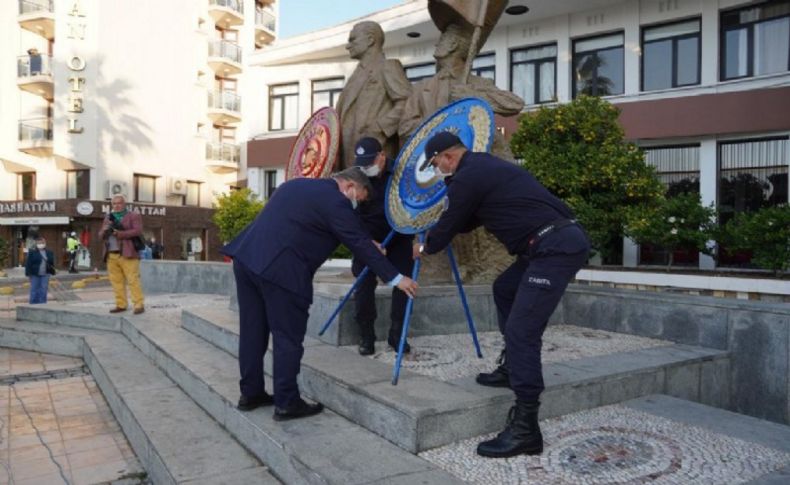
(141, 98)
(703, 86)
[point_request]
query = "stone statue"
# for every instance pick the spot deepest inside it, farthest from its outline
(480, 256)
(372, 100)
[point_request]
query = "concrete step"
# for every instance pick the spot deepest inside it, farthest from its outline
(174, 439)
(652, 439)
(422, 412)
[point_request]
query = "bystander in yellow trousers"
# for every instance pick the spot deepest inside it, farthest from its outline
(123, 272)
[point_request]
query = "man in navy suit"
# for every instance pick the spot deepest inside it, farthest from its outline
(274, 261)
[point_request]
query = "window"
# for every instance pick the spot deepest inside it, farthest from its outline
(598, 66)
(677, 167)
(326, 92)
(283, 107)
(144, 188)
(533, 73)
(26, 186)
(418, 72)
(671, 55)
(78, 184)
(484, 65)
(193, 194)
(755, 40)
(271, 183)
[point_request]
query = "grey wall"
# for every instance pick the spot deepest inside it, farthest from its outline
(187, 277)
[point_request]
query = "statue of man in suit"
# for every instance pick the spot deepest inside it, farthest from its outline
(372, 101)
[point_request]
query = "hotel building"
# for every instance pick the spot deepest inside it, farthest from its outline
(703, 86)
(144, 98)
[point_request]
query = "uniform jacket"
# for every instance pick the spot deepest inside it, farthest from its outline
(503, 197)
(371, 104)
(33, 261)
(132, 223)
(297, 231)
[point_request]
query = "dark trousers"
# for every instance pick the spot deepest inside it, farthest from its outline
(526, 294)
(72, 261)
(266, 308)
(399, 254)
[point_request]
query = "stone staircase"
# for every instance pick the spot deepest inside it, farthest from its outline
(173, 385)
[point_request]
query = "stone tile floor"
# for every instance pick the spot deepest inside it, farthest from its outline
(58, 430)
(448, 357)
(616, 445)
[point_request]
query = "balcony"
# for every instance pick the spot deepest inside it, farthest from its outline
(34, 75)
(222, 157)
(265, 26)
(35, 137)
(224, 57)
(224, 107)
(38, 16)
(226, 13)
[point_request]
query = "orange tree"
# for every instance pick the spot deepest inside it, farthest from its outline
(233, 211)
(578, 151)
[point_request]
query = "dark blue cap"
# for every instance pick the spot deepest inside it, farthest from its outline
(437, 144)
(366, 150)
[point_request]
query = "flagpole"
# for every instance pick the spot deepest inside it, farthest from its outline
(481, 16)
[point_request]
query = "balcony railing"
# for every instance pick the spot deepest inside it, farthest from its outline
(265, 18)
(35, 65)
(30, 6)
(225, 100)
(226, 49)
(35, 130)
(236, 5)
(223, 152)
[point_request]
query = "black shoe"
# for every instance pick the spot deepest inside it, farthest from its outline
(367, 347)
(249, 403)
(499, 378)
(521, 436)
(395, 342)
(297, 409)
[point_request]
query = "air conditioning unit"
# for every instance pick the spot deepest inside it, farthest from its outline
(116, 187)
(177, 186)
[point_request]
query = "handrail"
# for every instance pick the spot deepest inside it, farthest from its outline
(34, 65)
(226, 49)
(35, 129)
(30, 6)
(236, 5)
(265, 18)
(224, 152)
(226, 100)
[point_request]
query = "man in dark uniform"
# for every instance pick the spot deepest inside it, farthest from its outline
(370, 157)
(551, 247)
(274, 261)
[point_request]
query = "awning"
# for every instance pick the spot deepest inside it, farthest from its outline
(66, 163)
(16, 167)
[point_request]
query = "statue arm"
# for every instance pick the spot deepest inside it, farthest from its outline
(502, 102)
(398, 90)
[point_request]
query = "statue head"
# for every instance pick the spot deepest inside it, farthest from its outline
(454, 41)
(363, 36)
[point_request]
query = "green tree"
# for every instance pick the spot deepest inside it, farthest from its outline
(765, 233)
(578, 151)
(233, 211)
(679, 222)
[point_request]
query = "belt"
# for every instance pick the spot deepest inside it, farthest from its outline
(544, 231)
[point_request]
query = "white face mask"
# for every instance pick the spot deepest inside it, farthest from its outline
(351, 194)
(440, 174)
(371, 170)
(41, 246)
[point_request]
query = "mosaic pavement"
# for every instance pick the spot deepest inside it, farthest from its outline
(616, 445)
(56, 427)
(448, 357)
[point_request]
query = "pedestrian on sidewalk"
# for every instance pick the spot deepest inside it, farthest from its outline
(119, 229)
(39, 266)
(72, 246)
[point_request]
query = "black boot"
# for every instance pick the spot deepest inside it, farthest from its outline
(394, 338)
(499, 378)
(521, 436)
(367, 339)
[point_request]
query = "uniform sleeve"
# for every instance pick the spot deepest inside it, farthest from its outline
(398, 90)
(347, 227)
(464, 198)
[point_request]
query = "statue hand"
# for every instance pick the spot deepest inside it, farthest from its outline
(458, 91)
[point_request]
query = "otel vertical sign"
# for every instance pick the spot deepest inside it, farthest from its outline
(76, 64)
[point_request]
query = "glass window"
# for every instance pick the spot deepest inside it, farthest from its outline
(144, 188)
(26, 186)
(598, 66)
(419, 72)
(193, 194)
(533, 73)
(271, 182)
(670, 55)
(326, 92)
(283, 107)
(755, 40)
(484, 65)
(78, 184)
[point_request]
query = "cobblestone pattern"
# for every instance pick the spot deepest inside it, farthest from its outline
(447, 357)
(616, 445)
